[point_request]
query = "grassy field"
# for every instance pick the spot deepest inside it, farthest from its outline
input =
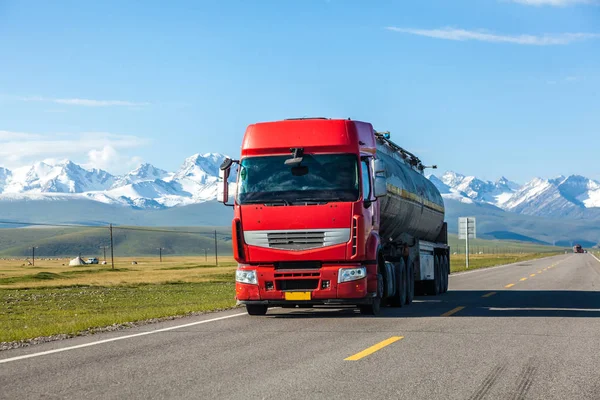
(128, 241)
(52, 298)
(476, 261)
(58, 273)
(499, 246)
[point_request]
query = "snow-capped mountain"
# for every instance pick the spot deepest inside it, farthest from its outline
(557, 197)
(145, 172)
(469, 189)
(145, 187)
(62, 177)
(196, 181)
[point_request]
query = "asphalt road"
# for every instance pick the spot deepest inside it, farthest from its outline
(536, 339)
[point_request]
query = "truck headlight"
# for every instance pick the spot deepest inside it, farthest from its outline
(352, 274)
(246, 276)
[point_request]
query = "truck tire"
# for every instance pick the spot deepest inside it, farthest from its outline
(446, 273)
(433, 287)
(399, 297)
(256, 309)
(410, 282)
(375, 307)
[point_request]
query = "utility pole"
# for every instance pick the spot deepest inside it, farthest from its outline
(216, 252)
(33, 255)
(205, 254)
(160, 249)
(112, 254)
(104, 248)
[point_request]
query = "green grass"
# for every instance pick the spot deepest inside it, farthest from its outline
(69, 242)
(458, 263)
(499, 246)
(30, 313)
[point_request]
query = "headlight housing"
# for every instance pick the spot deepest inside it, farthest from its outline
(352, 274)
(248, 276)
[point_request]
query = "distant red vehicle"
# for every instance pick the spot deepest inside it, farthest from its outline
(329, 211)
(578, 249)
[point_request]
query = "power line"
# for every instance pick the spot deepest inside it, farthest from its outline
(126, 228)
(56, 225)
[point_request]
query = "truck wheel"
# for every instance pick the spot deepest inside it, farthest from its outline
(256, 309)
(433, 287)
(445, 274)
(399, 297)
(410, 282)
(375, 307)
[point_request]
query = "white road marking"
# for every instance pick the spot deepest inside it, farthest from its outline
(594, 257)
(543, 309)
(43, 353)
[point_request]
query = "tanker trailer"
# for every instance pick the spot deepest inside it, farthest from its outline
(328, 211)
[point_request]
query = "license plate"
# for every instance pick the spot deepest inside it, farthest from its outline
(297, 295)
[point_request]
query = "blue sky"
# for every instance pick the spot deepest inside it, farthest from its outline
(481, 87)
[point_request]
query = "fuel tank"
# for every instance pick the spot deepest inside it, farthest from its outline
(413, 207)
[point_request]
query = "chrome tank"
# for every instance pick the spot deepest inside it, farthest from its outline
(413, 207)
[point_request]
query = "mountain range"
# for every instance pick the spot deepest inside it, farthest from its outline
(556, 210)
(560, 197)
(146, 187)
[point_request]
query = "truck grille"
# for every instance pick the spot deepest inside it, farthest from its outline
(297, 239)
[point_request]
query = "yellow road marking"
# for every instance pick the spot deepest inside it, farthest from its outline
(539, 272)
(532, 275)
(509, 285)
(453, 311)
(523, 279)
(489, 294)
(374, 348)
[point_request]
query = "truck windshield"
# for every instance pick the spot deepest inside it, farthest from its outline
(318, 178)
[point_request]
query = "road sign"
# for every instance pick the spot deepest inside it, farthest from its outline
(467, 227)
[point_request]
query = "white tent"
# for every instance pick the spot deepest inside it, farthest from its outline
(77, 261)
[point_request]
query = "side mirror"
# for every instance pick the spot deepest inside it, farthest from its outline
(379, 167)
(380, 188)
(223, 190)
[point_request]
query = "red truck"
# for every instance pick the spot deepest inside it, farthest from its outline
(577, 249)
(329, 211)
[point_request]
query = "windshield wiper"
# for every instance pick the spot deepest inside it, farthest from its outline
(272, 202)
(318, 201)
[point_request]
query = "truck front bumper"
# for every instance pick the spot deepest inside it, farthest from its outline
(325, 302)
(318, 286)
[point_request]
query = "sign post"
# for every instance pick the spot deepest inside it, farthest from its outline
(467, 230)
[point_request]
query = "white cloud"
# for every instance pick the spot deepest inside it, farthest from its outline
(88, 102)
(9, 136)
(485, 36)
(108, 157)
(97, 148)
(555, 3)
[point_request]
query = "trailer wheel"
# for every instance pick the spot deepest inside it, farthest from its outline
(445, 273)
(256, 309)
(375, 307)
(433, 287)
(400, 295)
(410, 282)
